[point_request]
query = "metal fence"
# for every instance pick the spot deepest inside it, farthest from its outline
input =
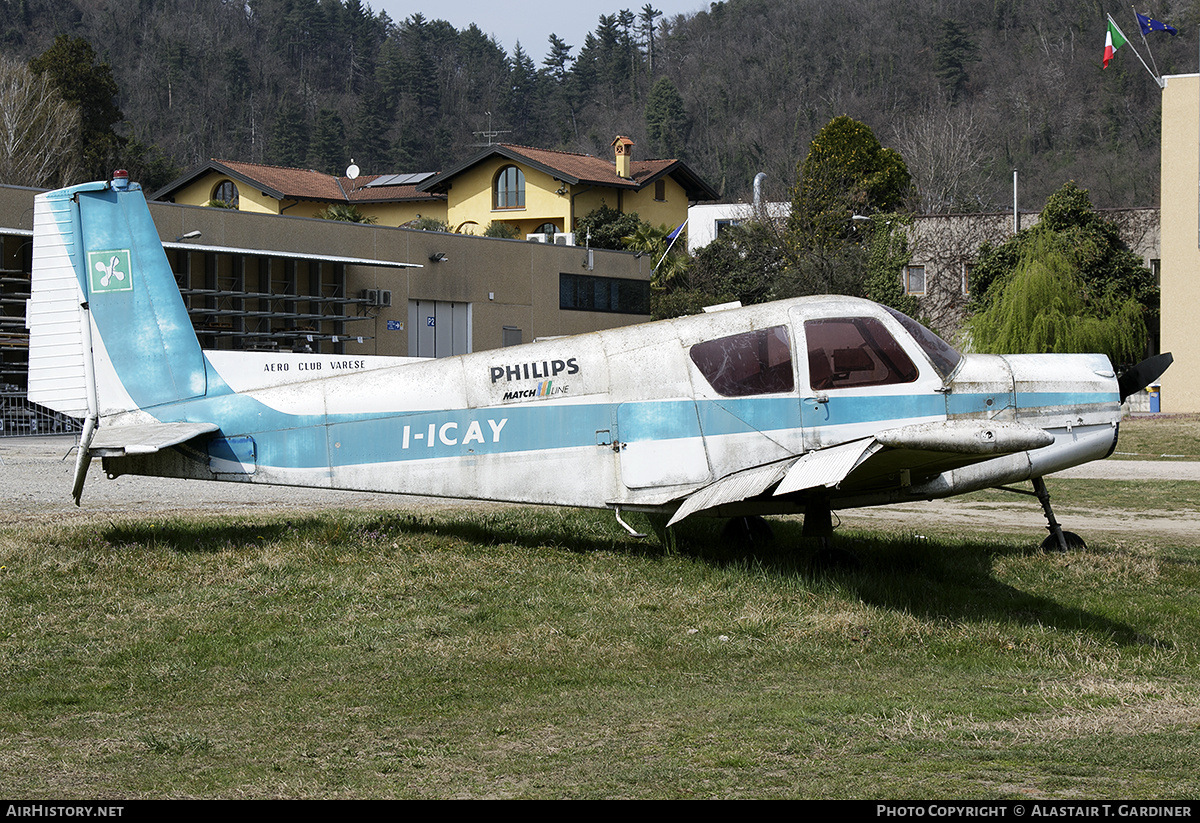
(20, 418)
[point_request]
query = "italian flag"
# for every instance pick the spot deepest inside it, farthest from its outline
(1112, 41)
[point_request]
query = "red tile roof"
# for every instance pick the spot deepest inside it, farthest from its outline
(303, 184)
(582, 168)
(295, 184)
(591, 169)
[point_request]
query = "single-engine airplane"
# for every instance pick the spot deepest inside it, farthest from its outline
(798, 406)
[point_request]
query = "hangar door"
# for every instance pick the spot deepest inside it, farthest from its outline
(438, 328)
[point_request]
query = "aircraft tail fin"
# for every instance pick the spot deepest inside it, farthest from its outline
(108, 329)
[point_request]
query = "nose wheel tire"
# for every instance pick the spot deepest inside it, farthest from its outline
(1074, 543)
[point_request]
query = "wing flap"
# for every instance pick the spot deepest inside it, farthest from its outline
(826, 467)
(734, 487)
(892, 457)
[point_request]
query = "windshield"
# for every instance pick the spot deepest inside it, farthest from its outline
(944, 356)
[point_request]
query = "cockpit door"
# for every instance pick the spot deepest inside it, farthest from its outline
(858, 374)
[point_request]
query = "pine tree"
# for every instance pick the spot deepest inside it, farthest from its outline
(327, 149)
(289, 136)
(952, 52)
(71, 65)
(666, 120)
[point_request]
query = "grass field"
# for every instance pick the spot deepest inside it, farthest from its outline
(1160, 437)
(545, 653)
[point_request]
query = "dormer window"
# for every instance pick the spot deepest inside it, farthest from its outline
(227, 193)
(509, 188)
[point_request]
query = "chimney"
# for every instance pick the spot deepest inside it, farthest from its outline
(623, 147)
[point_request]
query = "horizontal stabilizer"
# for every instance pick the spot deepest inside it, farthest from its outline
(117, 441)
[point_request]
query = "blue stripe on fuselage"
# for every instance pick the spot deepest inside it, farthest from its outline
(307, 441)
(840, 410)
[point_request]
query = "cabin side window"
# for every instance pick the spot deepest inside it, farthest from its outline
(741, 365)
(849, 352)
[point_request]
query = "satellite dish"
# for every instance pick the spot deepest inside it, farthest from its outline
(352, 170)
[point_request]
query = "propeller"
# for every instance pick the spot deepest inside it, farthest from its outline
(1143, 374)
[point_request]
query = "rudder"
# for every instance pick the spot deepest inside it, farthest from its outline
(108, 329)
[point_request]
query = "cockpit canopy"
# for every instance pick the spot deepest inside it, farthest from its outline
(842, 352)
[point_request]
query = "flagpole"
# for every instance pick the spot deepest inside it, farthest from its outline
(1157, 79)
(1146, 44)
(678, 232)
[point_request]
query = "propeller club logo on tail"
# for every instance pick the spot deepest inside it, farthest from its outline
(110, 271)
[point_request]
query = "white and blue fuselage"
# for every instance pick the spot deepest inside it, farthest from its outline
(756, 409)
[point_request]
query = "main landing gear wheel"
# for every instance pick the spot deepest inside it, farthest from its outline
(747, 531)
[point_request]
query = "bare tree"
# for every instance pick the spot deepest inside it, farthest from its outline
(943, 147)
(39, 130)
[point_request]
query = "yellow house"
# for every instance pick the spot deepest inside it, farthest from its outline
(392, 199)
(1180, 255)
(543, 192)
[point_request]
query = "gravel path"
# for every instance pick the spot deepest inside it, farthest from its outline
(36, 475)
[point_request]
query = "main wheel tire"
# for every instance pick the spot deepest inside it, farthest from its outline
(747, 531)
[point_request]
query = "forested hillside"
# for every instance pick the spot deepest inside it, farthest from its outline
(966, 90)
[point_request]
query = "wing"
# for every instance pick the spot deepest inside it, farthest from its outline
(922, 450)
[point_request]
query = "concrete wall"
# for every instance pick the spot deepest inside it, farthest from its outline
(508, 282)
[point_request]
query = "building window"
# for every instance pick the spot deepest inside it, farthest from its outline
(510, 188)
(914, 279)
(227, 193)
(585, 292)
(723, 226)
(965, 275)
(548, 229)
(660, 190)
(1156, 271)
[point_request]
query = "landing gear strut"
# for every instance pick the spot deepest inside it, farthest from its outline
(1059, 540)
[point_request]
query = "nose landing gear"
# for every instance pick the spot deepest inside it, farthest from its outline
(1059, 540)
